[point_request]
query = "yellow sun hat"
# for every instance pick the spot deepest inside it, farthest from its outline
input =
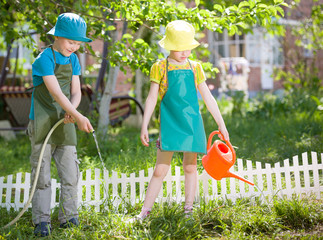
(179, 36)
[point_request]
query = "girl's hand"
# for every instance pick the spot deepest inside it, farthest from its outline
(68, 119)
(224, 132)
(144, 137)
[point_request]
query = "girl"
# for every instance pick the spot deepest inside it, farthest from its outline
(177, 79)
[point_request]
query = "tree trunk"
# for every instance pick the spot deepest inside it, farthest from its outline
(106, 97)
(138, 90)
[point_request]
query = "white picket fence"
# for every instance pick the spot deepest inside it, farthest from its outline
(304, 176)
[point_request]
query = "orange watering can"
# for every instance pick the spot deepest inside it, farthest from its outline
(219, 159)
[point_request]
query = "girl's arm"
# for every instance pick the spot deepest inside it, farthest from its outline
(213, 108)
(149, 109)
(54, 89)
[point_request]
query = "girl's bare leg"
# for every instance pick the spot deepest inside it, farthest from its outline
(155, 184)
(190, 173)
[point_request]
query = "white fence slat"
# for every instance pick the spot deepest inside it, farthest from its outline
(142, 184)
(204, 179)
(106, 183)
(97, 197)
(9, 192)
(223, 186)
(178, 185)
(289, 191)
(306, 171)
(240, 172)
(114, 181)
(250, 178)
(17, 191)
(79, 189)
(88, 185)
(168, 180)
(215, 190)
(54, 187)
(232, 185)
(26, 187)
(285, 180)
(259, 183)
(268, 172)
(316, 175)
(3, 204)
(132, 188)
(296, 174)
(277, 170)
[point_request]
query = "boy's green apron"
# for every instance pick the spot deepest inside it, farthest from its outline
(48, 111)
(181, 124)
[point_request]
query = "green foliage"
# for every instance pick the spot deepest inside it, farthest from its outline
(103, 15)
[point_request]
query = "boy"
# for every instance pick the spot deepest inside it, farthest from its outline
(56, 95)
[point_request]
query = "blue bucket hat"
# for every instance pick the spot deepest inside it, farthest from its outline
(70, 26)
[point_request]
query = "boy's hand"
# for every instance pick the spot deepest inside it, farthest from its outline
(144, 137)
(84, 124)
(68, 119)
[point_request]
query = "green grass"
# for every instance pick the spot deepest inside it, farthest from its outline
(281, 219)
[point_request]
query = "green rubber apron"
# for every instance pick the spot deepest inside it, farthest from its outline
(48, 111)
(181, 124)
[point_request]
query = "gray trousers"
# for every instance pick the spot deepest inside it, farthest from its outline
(67, 167)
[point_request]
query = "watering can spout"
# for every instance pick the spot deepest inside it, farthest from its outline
(230, 174)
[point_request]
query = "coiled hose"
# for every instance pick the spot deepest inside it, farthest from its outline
(36, 174)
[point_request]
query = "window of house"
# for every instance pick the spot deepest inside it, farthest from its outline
(258, 48)
(228, 46)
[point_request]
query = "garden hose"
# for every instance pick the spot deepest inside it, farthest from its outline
(36, 174)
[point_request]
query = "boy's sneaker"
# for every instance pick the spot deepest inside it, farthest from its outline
(42, 229)
(73, 222)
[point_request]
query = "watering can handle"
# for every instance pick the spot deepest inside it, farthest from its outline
(227, 142)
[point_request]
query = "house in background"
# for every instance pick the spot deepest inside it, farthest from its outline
(248, 58)
(247, 61)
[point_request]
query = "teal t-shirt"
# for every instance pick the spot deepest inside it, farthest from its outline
(44, 65)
